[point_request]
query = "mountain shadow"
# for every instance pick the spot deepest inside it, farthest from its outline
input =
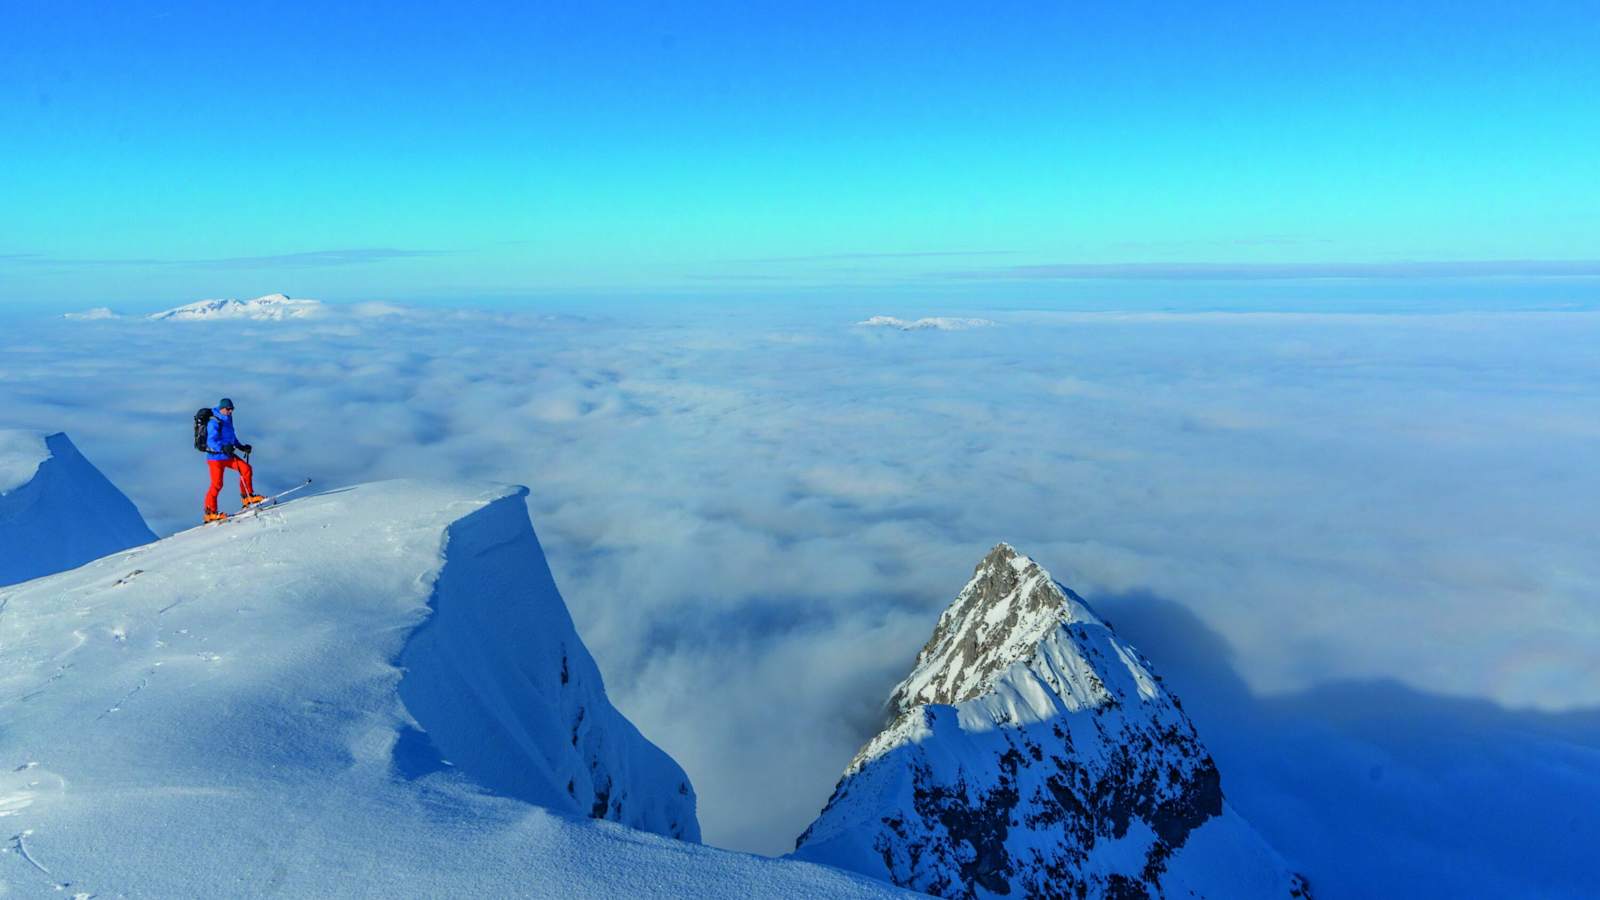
(1377, 789)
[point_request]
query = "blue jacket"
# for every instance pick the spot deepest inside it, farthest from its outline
(219, 434)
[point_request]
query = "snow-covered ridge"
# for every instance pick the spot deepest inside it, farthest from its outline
(272, 307)
(56, 510)
(931, 323)
(371, 692)
(1032, 752)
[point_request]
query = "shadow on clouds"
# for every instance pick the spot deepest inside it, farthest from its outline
(1376, 789)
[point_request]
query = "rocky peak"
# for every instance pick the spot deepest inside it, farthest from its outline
(998, 620)
(1032, 752)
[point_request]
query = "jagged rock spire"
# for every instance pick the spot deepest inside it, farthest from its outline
(1032, 752)
(1007, 608)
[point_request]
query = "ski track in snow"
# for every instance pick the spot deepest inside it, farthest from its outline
(117, 707)
(18, 844)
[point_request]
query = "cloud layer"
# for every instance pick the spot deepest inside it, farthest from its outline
(1252, 271)
(756, 523)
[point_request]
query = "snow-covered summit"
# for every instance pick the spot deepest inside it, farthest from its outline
(56, 510)
(272, 307)
(1031, 752)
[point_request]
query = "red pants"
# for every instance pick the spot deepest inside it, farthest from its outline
(216, 466)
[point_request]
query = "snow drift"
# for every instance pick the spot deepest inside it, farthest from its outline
(375, 691)
(56, 510)
(1034, 753)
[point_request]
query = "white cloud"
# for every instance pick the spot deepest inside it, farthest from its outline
(933, 323)
(756, 525)
(91, 315)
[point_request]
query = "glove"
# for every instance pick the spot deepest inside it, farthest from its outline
(245, 447)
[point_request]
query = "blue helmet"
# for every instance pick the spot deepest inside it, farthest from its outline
(225, 404)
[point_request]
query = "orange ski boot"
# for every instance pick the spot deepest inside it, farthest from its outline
(215, 517)
(252, 500)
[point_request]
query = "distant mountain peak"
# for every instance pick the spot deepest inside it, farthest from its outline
(269, 307)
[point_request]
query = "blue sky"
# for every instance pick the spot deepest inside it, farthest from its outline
(164, 152)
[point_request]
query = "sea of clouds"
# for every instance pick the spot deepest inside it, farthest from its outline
(1326, 529)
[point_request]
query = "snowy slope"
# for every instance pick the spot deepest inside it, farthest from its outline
(361, 693)
(1033, 753)
(271, 307)
(56, 510)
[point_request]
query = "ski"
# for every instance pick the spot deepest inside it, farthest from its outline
(249, 511)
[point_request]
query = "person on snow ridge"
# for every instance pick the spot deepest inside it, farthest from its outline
(221, 442)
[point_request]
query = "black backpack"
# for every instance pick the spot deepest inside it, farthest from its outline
(202, 418)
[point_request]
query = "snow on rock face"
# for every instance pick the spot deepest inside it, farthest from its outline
(56, 510)
(1033, 753)
(272, 307)
(370, 692)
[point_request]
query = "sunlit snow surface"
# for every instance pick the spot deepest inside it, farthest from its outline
(254, 708)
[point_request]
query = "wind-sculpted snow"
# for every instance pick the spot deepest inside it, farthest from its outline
(362, 693)
(1032, 753)
(56, 510)
(508, 694)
